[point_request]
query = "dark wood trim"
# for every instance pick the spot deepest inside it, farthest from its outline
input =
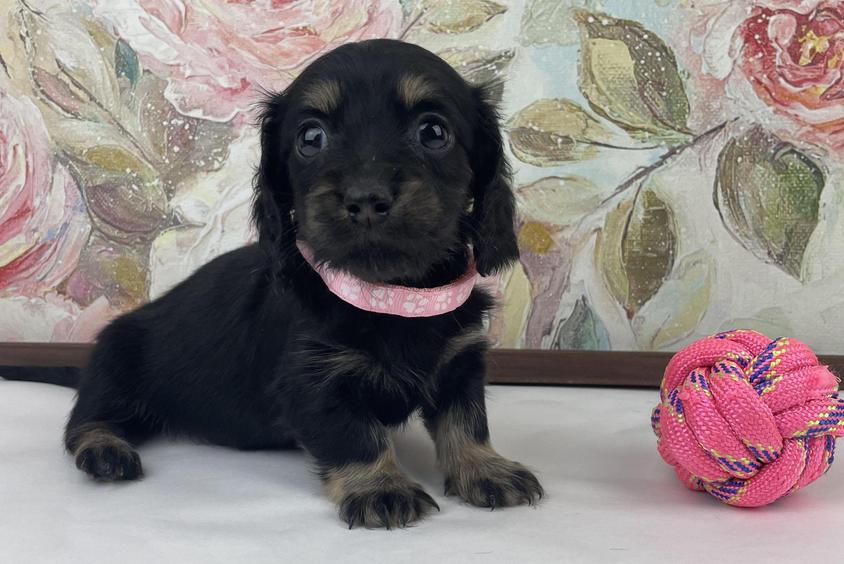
(44, 354)
(619, 369)
(576, 368)
(506, 366)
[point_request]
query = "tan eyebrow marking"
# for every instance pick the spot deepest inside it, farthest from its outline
(324, 96)
(413, 89)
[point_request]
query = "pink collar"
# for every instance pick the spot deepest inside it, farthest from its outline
(394, 300)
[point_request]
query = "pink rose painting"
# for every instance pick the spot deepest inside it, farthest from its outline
(43, 223)
(677, 165)
(43, 228)
(216, 55)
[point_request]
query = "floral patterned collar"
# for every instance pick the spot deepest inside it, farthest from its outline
(394, 300)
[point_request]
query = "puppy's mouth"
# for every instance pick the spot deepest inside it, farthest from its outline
(378, 237)
(379, 254)
(368, 257)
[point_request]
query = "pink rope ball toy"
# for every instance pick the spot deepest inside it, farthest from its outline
(746, 418)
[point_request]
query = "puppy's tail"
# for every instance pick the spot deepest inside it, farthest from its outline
(56, 375)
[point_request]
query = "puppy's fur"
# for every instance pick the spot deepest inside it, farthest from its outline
(254, 352)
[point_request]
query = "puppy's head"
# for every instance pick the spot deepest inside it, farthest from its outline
(386, 163)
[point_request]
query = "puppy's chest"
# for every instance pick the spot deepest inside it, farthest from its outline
(392, 388)
(392, 382)
(396, 377)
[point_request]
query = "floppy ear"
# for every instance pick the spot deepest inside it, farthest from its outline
(273, 204)
(493, 210)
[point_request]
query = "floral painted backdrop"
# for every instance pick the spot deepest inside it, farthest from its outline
(679, 163)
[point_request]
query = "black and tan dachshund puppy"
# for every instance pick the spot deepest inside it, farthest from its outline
(390, 167)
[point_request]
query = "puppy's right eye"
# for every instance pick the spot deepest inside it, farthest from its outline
(312, 140)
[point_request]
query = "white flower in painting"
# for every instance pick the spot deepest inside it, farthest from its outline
(214, 209)
(51, 317)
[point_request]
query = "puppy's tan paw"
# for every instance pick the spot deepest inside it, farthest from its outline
(391, 506)
(377, 495)
(494, 481)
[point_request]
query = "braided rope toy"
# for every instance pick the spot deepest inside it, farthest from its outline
(746, 418)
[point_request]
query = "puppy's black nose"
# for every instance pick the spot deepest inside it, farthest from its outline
(367, 207)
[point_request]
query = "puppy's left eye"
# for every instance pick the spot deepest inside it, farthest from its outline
(432, 134)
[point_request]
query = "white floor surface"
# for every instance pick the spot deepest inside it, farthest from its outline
(610, 498)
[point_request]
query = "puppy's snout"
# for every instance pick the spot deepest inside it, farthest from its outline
(367, 206)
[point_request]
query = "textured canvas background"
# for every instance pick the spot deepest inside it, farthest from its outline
(678, 163)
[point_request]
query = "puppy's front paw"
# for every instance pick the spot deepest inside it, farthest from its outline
(376, 494)
(391, 505)
(102, 453)
(109, 461)
(493, 481)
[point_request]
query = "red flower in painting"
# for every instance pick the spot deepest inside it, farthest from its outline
(795, 62)
(785, 56)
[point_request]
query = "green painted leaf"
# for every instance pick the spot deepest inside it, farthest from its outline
(121, 188)
(104, 146)
(514, 309)
(131, 208)
(773, 321)
(70, 63)
(554, 131)
(630, 76)
(635, 250)
(680, 304)
(113, 270)
(768, 194)
(559, 200)
(459, 17)
(126, 62)
(582, 330)
(481, 66)
(550, 22)
(536, 237)
(63, 94)
(114, 158)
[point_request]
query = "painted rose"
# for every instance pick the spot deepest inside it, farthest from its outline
(217, 54)
(51, 318)
(43, 223)
(788, 54)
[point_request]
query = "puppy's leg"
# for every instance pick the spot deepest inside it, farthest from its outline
(105, 419)
(458, 425)
(358, 466)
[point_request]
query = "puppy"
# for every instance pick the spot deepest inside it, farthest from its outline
(382, 164)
